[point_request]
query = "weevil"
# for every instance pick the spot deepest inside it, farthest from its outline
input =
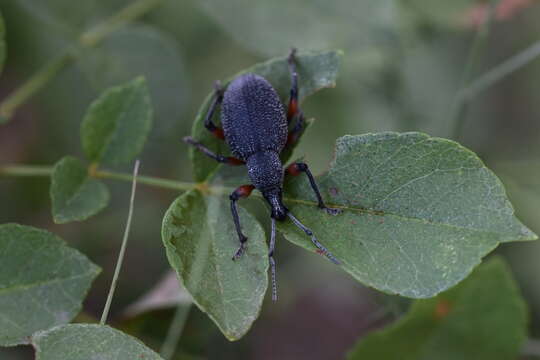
(255, 126)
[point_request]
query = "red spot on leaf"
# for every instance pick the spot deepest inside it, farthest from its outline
(442, 309)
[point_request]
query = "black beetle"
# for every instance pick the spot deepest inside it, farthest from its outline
(255, 126)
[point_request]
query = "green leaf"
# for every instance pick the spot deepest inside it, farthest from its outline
(42, 283)
(117, 124)
(419, 212)
(316, 70)
(275, 26)
(200, 239)
(484, 317)
(3, 45)
(134, 50)
(75, 196)
(85, 342)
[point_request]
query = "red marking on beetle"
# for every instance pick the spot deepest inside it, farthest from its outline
(234, 161)
(292, 138)
(245, 190)
(319, 251)
(442, 309)
(293, 108)
(293, 169)
(218, 132)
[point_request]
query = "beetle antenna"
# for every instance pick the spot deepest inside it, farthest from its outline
(272, 261)
(314, 240)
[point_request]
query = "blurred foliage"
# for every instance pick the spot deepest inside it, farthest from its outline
(402, 67)
(483, 317)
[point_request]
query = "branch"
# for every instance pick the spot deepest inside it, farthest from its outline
(88, 39)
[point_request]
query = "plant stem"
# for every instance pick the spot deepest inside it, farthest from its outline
(459, 106)
(20, 95)
(88, 39)
(26, 170)
(531, 348)
(131, 12)
(107, 307)
(147, 180)
(175, 331)
(501, 71)
(37, 170)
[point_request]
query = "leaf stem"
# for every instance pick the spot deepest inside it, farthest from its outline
(20, 95)
(531, 348)
(121, 255)
(501, 71)
(147, 180)
(175, 331)
(37, 170)
(88, 39)
(459, 106)
(26, 170)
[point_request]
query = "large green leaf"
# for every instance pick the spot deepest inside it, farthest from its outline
(117, 124)
(89, 342)
(198, 233)
(42, 283)
(75, 196)
(3, 45)
(484, 317)
(316, 70)
(419, 212)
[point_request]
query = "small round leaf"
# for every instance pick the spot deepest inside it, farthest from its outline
(117, 124)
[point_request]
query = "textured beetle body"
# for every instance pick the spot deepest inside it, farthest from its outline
(253, 117)
(255, 128)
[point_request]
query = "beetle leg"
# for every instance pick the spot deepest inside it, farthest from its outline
(241, 192)
(294, 134)
(216, 100)
(219, 158)
(314, 240)
(299, 167)
(271, 259)
(293, 99)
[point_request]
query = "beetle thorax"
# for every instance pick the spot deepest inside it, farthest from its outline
(265, 170)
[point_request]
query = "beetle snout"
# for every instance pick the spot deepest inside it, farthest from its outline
(279, 212)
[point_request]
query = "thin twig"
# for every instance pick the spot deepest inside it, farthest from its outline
(38, 170)
(500, 71)
(107, 307)
(459, 107)
(88, 39)
(531, 348)
(175, 331)
(205, 188)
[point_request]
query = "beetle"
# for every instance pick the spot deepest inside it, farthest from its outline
(255, 126)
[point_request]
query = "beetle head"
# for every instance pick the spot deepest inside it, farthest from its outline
(274, 198)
